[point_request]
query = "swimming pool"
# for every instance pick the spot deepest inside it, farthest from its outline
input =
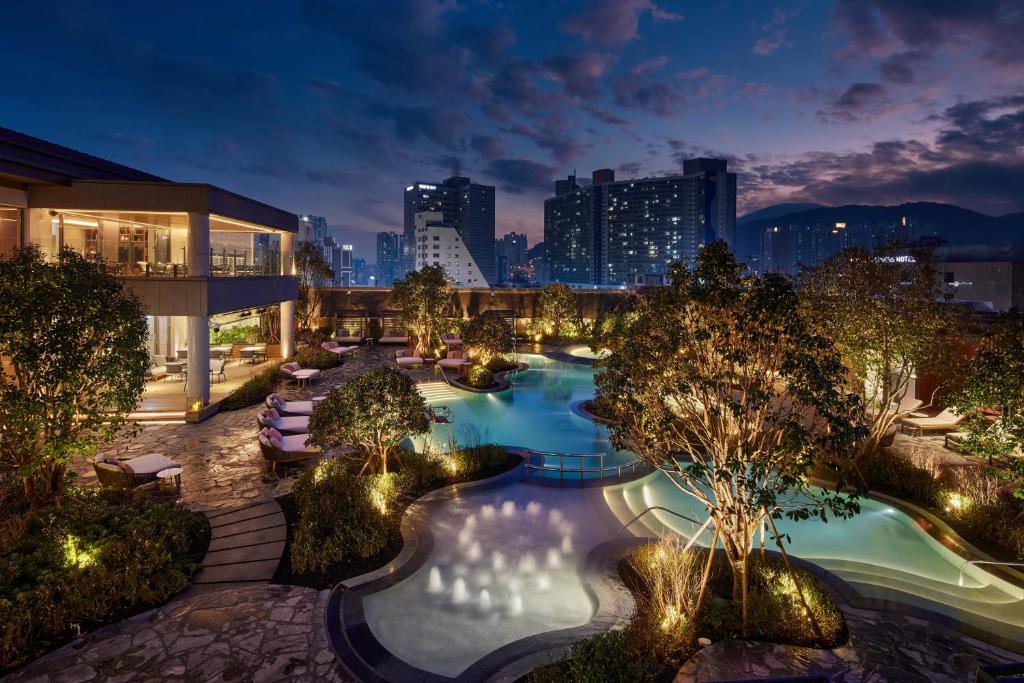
(505, 564)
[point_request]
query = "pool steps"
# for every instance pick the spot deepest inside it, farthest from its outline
(437, 391)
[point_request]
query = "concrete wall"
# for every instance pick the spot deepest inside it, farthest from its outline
(200, 296)
(468, 302)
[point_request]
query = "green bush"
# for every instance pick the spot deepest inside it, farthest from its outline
(617, 657)
(317, 358)
(341, 514)
(254, 390)
(894, 474)
(480, 377)
(500, 364)
(487, 336)
(237, 334)
(480, 458)
(96, 559)
(994, 524)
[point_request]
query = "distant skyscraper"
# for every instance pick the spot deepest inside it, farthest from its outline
(389, 258)
(628, 231)
(344, 275)
(466, 206)
(438, 244)
(312, 229)
(510, 251)
(360, 272)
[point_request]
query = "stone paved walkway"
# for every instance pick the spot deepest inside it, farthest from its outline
(884, 648)
(265, 633)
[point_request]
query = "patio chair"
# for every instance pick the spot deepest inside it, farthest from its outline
(157, 368)
(454, 359)
(137, 471)
(174, 370)
(406, 359)
(182, 354)
(293, 372)
(217, 368)
(291, 424)
(336, 348)
(278, 448)
(946, 421)
(283, 407)
(349, 336)
(247, 355)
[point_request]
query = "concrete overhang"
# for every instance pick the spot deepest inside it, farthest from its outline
(206, 296)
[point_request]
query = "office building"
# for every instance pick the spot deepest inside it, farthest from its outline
(389, 258)
(629, 231)
(312, 229)
(466, 206)
(180, 247)
(509, 251)
(439, 244)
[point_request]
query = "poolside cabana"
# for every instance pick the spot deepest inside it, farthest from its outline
(351, 326)
(393, 329)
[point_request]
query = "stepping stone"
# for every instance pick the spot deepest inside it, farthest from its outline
(248, 553)
(240, 572)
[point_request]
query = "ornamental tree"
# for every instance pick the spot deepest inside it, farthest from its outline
(994, 380)
(719, 382)
(314, 274)
(886, 318)
(373, 413)
(424, 296)
(487, 336)
(74, 361)
(558, 308)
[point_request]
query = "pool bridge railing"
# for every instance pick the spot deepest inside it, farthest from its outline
(581, 467)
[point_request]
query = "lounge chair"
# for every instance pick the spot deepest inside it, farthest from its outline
(284, 407)
(136, 471)
(393, 337)
(217, 368)
(454, 359)
(406, 359)
(293, 372)
(278, 448)
(291, 424)
(157, 368)
(349, 337)
(945, 421)
(336, 348)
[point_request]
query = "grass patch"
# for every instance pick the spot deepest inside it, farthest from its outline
(98, 558)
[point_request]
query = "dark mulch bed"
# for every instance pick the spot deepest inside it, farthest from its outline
(356, 566)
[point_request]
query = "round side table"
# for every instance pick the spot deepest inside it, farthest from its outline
(171, 473)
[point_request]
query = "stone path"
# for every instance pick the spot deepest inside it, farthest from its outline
(264, 633)
(884, 647)
(245, 545)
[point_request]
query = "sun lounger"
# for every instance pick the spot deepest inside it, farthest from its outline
(290, 424)
(406, 359)
(278, 448)
(284, 407)
(946, 421)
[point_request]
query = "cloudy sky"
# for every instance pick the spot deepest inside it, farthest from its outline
(333, 107)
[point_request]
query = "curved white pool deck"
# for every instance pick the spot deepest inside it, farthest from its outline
(505, 562)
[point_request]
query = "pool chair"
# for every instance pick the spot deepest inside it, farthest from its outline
(406, 359)
(283, 407)
(131, 472)
(335, 348)
(454, 359)
(293, 372)
(349, 337)
(279, 448)
(946, 421)
(291, 424)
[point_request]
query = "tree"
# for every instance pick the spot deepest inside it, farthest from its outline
(885, 316)
(558, 308)
(424, 296)
(994, 379)
(487, 336)
(373, 412)
(74, 362)
(314, 274)
(720, 383)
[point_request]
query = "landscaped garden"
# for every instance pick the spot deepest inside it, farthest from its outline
(747, 479)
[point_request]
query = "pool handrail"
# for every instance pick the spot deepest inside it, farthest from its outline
(963, 567)
(580, 470)
(662, 508)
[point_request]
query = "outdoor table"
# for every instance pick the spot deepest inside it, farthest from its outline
(256, 352)
(172, 473)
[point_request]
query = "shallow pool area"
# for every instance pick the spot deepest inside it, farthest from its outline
(583, 351)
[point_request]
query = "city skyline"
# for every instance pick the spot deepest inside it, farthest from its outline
(863, 101)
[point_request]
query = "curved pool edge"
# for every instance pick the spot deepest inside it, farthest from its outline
(367, 659)
(501, 383)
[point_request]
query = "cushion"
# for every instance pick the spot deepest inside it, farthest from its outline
(291, 366)
(277, 400)
(455, 354)
(125, 467)
(274, 415)
(273, 434)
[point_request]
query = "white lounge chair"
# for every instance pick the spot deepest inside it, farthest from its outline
(277, 447)
(454, 359)
(289, 424)
(296, 373)
(336, 348)
(406, 359)
(284, 407)
(945, 421)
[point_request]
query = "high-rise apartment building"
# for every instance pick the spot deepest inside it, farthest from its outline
(438, 244)
(509, 251)
(312, 229)
(389, 258)
(466, 206)
(623, 232)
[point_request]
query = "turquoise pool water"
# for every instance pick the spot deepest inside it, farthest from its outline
(535, 413)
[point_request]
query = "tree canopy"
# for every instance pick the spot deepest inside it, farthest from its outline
(373, 412)
(884, 313)
(718, 381)
(487, 336)
(558, 309)
(74, 356)
(314, 274)
(424, 296)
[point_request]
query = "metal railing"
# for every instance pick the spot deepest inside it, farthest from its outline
(968, 563)
(578, 469)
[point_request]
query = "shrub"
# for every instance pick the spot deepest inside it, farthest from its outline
(98, 558)
(237, 334)
(254, 390)
(617, 656)
(894, 474)
(317, 358)
(341, 514)
(480, 377)
(480, 458)
(500, 364)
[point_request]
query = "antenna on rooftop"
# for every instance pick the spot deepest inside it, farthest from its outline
(455, 167)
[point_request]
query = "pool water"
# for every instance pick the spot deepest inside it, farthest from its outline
(535, 413)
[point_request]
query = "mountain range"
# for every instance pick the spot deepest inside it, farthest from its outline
(952, 224)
